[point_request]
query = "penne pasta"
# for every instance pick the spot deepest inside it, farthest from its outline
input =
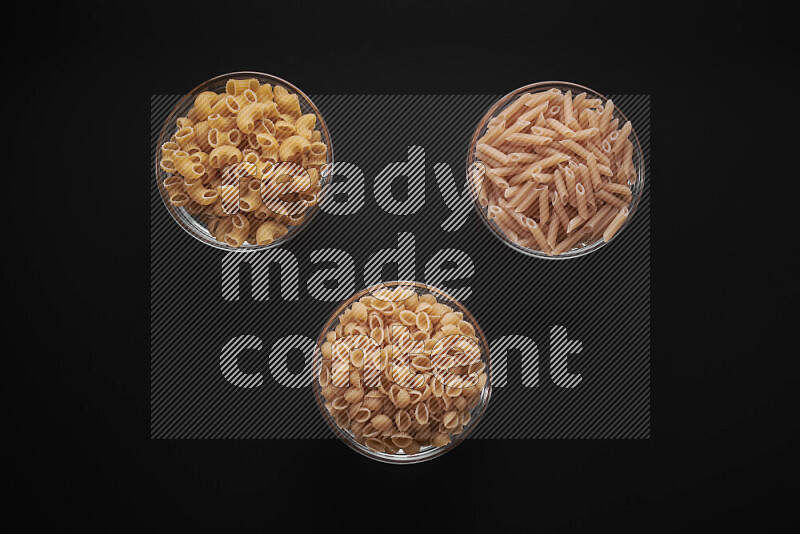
(531, 196)
(560, 128)
(526, 140)
(510, 114)
(575, 147)
(602, 223)
(566, 104)
(514, 129)
(552, 235)
(583, 207)
(568, 243)
(563, 162)
(575, 223)
(569, 181)
(586, 182)
(544, 205)
(552, 161)
(617, 189)
(608, 198)
(605, 115)
(583, 135)
(594, 172)
(492, 134)
(561, 213)
(561, 185)
(492, 156)
(537, 234)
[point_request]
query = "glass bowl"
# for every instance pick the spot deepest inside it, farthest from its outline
(197, 224)
(474, 402)
(582, 248)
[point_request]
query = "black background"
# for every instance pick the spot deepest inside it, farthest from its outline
(77, 391)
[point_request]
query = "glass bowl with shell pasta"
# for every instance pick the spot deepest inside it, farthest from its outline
(402, 372)
(240, 161)
(555, 170)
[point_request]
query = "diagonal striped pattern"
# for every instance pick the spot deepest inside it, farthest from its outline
(219, 319)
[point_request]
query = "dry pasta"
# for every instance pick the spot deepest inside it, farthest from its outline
(245, 162)
(401, 371)
(551, 163)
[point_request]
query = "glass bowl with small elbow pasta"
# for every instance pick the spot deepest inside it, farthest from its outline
(402, 372)
(241, 161)
(555, 170)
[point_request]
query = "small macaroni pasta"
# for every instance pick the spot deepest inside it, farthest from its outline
(411, 383)
(221, 162)
(554, 162)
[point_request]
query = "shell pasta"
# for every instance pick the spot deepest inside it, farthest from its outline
(556, 171)
(245, 162)
(401, 371)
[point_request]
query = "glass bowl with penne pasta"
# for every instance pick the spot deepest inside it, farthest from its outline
(241, 161)
(555, 170)
(402, 372)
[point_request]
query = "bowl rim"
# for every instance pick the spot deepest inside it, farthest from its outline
(344, 436)
(639, 184)
(194, 228)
